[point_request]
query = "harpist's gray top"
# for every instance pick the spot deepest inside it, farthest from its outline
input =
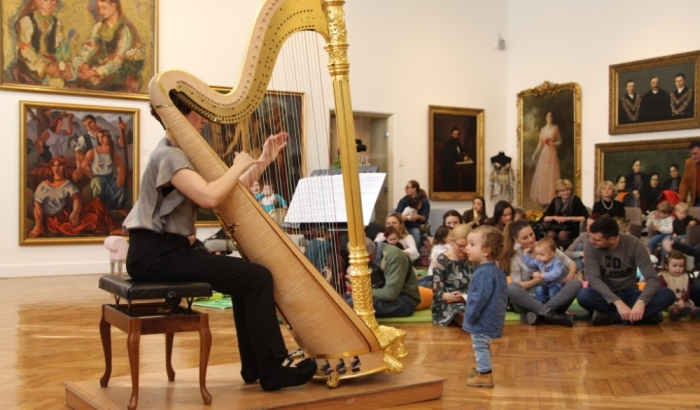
(174, 213)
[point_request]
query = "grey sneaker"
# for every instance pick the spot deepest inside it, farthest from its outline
(530, 318)
(600, 319)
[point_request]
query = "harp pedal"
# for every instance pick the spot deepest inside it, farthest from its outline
(340, 367)
(355, 365)
(326, 368)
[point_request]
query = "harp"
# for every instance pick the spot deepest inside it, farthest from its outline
(321, 322)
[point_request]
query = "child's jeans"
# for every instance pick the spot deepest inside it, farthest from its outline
(546, 291)
(655, 241)
(482, 350)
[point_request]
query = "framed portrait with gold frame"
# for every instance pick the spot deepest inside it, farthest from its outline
(78, 172)
(549, 142)
(456, 155)
(660, 166)
(80, 47)
(278, 111)
(657, 94)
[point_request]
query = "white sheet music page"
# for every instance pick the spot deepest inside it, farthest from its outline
(321, 199)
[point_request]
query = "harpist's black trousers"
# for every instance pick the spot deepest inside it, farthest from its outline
(167, 257)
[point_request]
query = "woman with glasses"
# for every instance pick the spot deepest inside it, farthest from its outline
(417, 199)
(564, 214)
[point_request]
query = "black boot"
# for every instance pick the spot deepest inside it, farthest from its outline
(554, 318)
(249, 368)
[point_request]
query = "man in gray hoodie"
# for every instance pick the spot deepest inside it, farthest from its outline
(612, 296)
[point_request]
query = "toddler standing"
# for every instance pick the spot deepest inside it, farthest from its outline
(550, 268)
(487, 299)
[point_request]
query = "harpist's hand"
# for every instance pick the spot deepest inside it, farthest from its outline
(244, 160)
(273, 146)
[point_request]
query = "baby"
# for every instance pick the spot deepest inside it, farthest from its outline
(412, 208)
(269, 199)
(391, 236)
(550, 268)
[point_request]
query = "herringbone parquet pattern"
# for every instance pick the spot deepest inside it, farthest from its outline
(49, 329)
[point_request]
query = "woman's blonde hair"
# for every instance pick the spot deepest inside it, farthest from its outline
(605, 184)
(460, 231)
(403, 232)
(562, 184)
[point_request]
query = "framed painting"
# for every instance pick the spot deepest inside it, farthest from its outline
(549, 142)
(278, 111)
(78, 172)
(82, 47)
(656, 94)
(456, 155)
(644, 168)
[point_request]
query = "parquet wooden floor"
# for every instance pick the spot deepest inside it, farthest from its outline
(49, 329)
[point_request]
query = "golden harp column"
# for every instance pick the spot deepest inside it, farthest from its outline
(391, 339)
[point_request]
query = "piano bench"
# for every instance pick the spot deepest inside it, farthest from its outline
(142, 315)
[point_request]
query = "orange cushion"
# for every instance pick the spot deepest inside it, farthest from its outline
(426, 298)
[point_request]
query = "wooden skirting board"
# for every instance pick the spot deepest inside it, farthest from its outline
(229, 392)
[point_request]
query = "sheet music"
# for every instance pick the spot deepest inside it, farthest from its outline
(321, 199)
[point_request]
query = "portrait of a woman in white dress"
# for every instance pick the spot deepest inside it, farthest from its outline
(547, 169)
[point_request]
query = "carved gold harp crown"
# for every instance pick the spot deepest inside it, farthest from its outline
(322, 324)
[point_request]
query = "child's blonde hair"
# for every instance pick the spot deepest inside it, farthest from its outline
(492, 239)
(682, 207)
(460, 231)
(622, 223)
(548, 243)
(665, 207)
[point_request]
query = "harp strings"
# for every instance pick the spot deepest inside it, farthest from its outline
(294, 103)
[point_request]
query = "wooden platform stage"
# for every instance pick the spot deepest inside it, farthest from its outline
(229, 392)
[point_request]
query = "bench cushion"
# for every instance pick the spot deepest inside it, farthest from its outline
(131, 290)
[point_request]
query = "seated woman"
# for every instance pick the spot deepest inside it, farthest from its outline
(409, 245)
(477, 214)
(564, 214)
(413, 220)
(452, 218)
(623, 195)
(161, 228)
(607, 203)
(503, 213)
(519, 238)
(451, 277)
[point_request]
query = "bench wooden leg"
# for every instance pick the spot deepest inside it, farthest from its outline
(132, 344)
(169, 355)
(106, 336)
(204, 349)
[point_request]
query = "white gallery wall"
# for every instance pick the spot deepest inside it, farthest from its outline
(404, 55)
(576, 41)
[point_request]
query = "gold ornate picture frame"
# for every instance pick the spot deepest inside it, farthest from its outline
(548, 151)
(456, 155)
(78, 172)
(279, 109)
(657, 157)
(104, 48)
(644, 96)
